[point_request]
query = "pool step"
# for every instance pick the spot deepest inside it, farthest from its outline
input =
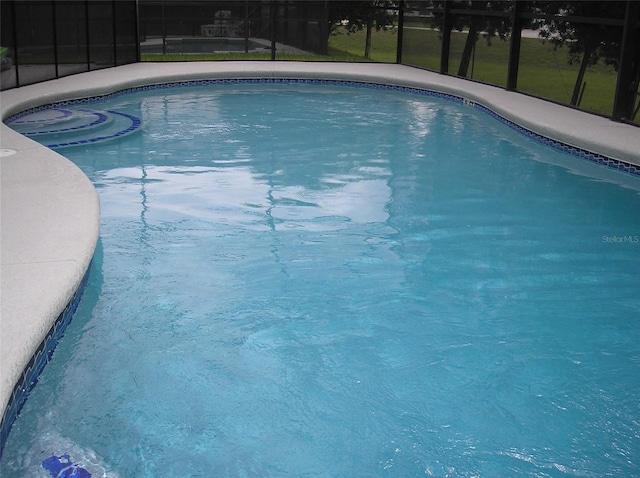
(60, 128)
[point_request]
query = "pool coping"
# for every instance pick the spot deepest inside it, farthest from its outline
(50, 211)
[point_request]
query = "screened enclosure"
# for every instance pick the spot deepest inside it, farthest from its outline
(50, 39)
(582, 54)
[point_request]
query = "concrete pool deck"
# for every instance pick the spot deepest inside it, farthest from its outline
(50, 214)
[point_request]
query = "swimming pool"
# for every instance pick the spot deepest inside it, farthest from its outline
(416, 305)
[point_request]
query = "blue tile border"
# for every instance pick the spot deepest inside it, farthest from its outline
(557, 145)
(36, 365)
(563, 147)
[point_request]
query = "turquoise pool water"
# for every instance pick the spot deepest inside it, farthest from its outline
(337, 281)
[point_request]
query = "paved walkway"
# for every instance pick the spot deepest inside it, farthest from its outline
(50, 211)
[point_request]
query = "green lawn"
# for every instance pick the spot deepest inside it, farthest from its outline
(544, 71)
(383, 45)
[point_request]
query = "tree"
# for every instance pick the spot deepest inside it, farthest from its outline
(488, 26)
(586, 42)
(358, 15)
